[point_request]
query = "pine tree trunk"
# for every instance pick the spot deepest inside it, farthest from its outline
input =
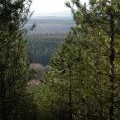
(3, 92)
(70, 98)
(70, 103)
(112, 67)
(3, 112)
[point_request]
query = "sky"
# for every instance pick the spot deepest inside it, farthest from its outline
(50, 7)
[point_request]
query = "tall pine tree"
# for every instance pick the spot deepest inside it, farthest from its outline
(13, 58)
(90, 59)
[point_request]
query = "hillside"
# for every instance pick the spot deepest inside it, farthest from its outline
(48, 33)
(50, 25)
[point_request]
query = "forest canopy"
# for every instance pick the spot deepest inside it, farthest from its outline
(82, 80)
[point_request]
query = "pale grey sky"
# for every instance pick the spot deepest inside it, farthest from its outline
(50, 7)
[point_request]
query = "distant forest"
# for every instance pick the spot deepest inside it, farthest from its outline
(48, 33)
(42, 46)
(50, 25)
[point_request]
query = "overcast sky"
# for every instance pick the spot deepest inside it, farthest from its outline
(50, 7)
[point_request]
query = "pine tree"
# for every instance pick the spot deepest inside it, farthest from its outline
(103, 17)
(13, 59)
(89, 62)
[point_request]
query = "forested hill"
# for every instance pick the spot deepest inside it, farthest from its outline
(50, 25)
(47, 34)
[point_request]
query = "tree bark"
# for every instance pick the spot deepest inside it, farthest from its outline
(70, 98)
(3, 92)
(112, 67)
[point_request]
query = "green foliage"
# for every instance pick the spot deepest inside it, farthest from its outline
(25, 109)
(13, 60)
(83, 78)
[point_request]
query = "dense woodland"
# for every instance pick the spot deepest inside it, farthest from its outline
(42, 46)
(82, 80)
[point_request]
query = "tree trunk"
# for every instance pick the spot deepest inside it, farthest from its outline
(112, 67)
(70, 98)
(3, 92)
